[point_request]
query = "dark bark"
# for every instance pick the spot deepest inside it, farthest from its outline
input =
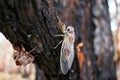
(33, 24)
(39, 74)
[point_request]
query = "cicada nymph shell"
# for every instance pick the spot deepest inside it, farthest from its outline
(21, 56)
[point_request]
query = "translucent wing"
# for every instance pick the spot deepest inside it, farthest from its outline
(67, 55)
(63, 63)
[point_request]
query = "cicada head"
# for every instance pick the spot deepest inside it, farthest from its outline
(70, 30)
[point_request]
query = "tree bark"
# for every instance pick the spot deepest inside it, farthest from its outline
(33, 24)
(103, 43)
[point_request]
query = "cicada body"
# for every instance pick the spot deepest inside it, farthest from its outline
(67, 50)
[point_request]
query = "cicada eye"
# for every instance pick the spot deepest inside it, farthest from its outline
(68, 29)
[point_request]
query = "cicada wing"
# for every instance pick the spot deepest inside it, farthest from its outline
(63, 63)
(71, 56)
(67, 56)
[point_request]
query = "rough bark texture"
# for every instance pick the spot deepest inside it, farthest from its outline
(33, 24)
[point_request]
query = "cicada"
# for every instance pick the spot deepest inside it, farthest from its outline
(67, 48)
(21, 56)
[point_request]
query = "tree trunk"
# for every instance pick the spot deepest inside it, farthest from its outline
(103, 44)
(33, 24)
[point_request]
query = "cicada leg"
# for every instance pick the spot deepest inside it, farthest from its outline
(59, 35)
(58, 44)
